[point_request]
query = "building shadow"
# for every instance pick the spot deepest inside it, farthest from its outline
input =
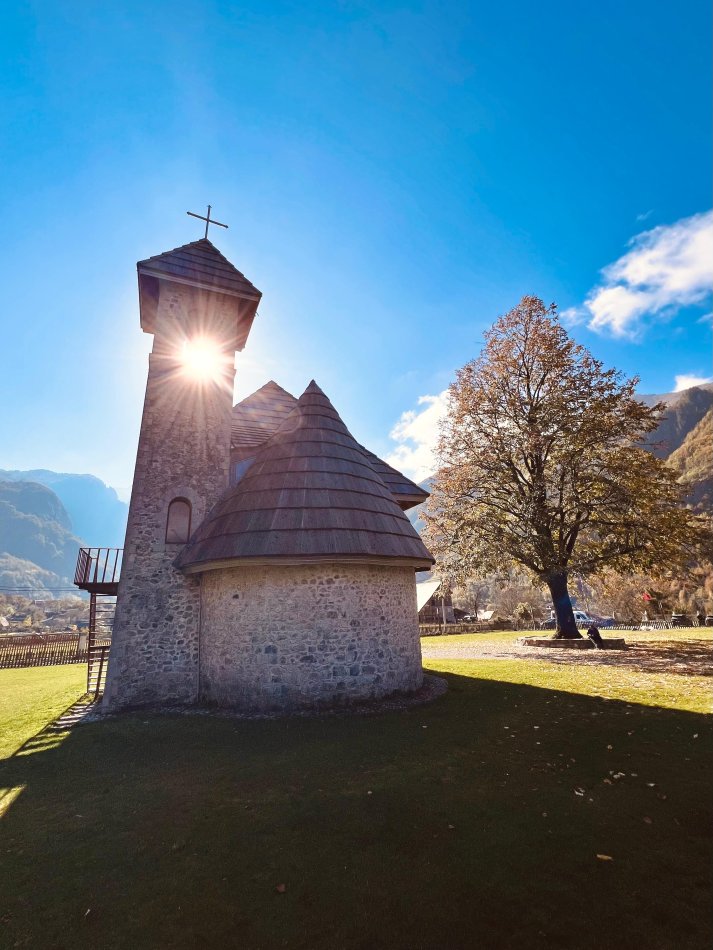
(480, 816)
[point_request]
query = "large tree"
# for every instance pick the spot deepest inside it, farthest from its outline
(541, 466)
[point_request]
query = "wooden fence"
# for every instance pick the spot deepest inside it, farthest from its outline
(34, 650)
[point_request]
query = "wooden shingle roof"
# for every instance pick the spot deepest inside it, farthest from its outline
(261, 414)
(201, 265)
(406, 492)
(310, 495)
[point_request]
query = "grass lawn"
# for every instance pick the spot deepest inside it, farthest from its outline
(31, 698)
(473, 822)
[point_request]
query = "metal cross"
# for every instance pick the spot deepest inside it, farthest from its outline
(208, 220)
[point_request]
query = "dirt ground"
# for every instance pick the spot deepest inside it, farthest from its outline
(686, 657)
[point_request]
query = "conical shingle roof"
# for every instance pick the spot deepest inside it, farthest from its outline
(310, 495)
(257, 417)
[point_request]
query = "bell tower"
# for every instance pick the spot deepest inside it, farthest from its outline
(199, 309)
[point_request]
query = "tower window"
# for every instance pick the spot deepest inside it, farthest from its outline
(178, 521)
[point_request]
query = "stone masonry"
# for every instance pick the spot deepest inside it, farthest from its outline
(278, 638)
(184, 452)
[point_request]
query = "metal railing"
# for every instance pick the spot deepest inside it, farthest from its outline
(98, 566)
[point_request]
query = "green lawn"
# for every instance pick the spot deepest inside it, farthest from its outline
(473, 822)
(31, 698)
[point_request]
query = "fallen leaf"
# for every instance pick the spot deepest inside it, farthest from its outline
(649, 821)
(281, 888)
(605, 857)
(579, 791)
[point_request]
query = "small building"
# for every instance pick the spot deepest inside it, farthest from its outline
(433, 605)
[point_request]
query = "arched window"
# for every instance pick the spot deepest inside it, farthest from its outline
(178, 521)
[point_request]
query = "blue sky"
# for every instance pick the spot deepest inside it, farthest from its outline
(395, 176)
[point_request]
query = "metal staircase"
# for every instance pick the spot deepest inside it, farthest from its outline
(97, 572)
(101, 622)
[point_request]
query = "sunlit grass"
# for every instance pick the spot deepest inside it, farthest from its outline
(668, 690)
(33, 697)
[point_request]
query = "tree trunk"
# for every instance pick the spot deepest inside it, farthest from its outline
(566, 624)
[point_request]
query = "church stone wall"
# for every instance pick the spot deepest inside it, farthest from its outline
(284, 638)
(184, 451)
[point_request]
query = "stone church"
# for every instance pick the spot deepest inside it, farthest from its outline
(268, 562)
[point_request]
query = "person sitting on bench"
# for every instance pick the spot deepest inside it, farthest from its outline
(595, 637)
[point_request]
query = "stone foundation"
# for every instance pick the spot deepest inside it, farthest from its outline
(287, 638)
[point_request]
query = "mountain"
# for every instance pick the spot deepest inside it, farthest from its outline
(24, 576)
(95, 510)
(670, 398)
(44, 517)
(414, 514)
(683, 412)
(37, 545)
(694, 458)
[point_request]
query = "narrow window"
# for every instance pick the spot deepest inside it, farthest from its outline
(178, 521)
(240, 468)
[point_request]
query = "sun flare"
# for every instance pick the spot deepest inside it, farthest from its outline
(203, 359)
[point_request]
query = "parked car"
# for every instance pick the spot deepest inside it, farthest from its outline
(582, 619)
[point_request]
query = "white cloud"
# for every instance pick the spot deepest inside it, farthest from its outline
(686, 380)
(417, 435)
(665, 269)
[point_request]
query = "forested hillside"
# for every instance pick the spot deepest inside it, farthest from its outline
(45, 517)
(37, 544)
(694, 458)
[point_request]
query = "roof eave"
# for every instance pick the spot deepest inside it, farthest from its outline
(200, 567)
(149, 271)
